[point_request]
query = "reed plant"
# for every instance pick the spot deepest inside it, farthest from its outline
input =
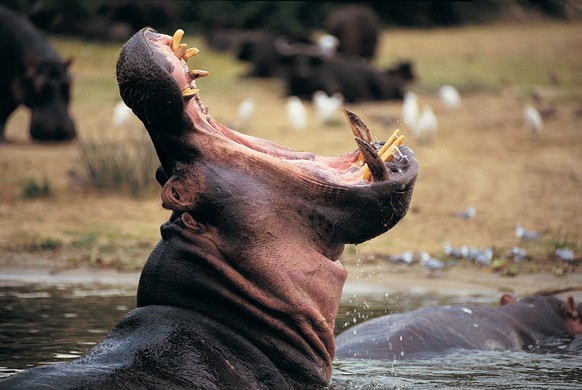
(120, 160)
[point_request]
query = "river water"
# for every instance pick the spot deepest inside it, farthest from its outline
(48, 323)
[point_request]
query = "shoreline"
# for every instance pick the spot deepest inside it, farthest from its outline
(369, 279)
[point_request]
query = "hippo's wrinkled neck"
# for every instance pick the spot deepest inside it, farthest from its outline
(285, 306)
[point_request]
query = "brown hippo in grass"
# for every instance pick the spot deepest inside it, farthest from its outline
(33, 74)
(244, 287)
(515, 325)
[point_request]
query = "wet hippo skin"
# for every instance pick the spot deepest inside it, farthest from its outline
(33, 74)
(243, 289)
(515, 325)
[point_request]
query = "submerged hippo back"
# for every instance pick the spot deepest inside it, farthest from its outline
(425, 331)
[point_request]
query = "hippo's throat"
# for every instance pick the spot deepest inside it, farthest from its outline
(287, 307)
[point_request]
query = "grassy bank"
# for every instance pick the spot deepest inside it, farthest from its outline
(482, 156)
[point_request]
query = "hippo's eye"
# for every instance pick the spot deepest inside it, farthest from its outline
(175, 194)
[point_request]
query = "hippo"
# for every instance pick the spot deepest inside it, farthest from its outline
(243, 288)
(307, 71)
(358, 28)
(33, 74)
(514, 325)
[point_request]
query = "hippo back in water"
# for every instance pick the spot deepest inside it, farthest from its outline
(515, 325)
(33, 74)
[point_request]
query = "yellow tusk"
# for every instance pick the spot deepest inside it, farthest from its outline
(389, 142)
(366, 173)
(189, 91)
(181, 50)
(388, 155)
(176, 39)
(190, 52)
(194, 74)
(384, 148)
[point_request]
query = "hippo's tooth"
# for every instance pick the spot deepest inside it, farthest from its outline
(190, 52)
(176, 39)
(187, 92)
(194, 74)
(388, 155)
(374, 165)
(389, 142)
(359, 129)
(358, 126)
(180, 50)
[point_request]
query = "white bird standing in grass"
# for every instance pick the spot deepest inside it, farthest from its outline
(410, 110)
(427, 126)
(326, 106)
(533, 120)
(450, 97)
(121, 114)
(526, 235)
(296, 113)
(327, 45)
(469, 213)
(432, 264)
(245, 112)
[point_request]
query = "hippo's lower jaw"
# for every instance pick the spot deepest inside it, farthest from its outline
(256, 228)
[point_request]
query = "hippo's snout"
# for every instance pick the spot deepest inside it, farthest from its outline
(48, 124)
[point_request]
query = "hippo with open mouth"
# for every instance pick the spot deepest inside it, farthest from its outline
(244, 287)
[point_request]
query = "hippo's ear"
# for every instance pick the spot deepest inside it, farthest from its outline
(68, 62)
(569, 309)
(506, 299)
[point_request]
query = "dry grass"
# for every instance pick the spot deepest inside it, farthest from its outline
(483, 155)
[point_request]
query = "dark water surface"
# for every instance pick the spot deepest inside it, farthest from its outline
(44, 324)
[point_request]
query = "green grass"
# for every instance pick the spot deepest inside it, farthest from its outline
(32, 188)
(491, 57)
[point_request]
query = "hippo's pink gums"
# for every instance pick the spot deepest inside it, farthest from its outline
(243, 289)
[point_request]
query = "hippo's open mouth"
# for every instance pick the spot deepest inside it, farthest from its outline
(352, 198)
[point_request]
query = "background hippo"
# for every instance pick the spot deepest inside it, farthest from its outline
(244, 287)
(358, 29)
(515, 325)
(307, 72)
(33, 74)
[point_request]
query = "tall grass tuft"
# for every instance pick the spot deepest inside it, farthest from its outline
(32, 189)
(120, 160)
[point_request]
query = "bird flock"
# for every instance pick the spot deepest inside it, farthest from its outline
(483, 257)
(326, 108)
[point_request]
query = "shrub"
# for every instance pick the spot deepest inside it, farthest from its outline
(32, 189)
(121, 160)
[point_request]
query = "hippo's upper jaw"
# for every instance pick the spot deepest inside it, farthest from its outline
(265, 224)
